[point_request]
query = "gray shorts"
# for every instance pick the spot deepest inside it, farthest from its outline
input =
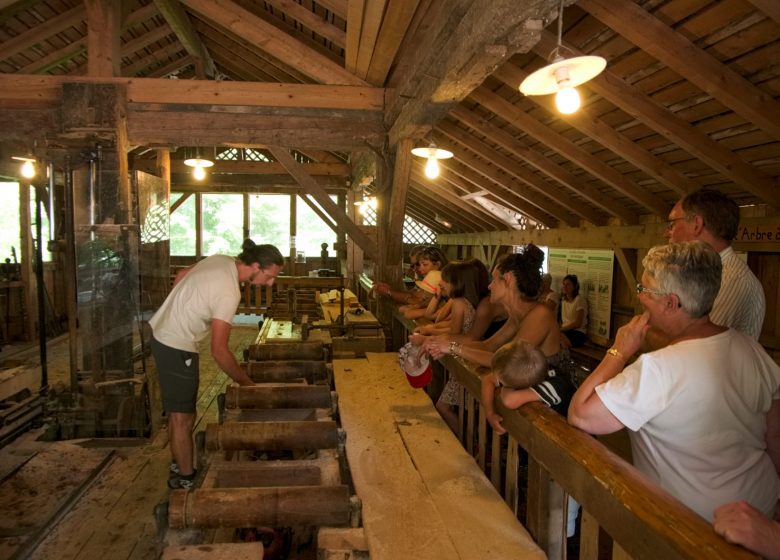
(178, 373)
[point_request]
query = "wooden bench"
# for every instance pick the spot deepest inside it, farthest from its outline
(423, 496)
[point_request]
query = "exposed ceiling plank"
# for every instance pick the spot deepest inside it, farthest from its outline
(311, 20)
(459, 185)
(156, 56)
(392, 32)
(180, 22)
(41, 32)
(470, 49)
(605, 135)
(578, 156)
(103, 53)
(673, 49)
(634, 102)
(540, 188)
(338, 7)
(56, 57)
(236, 67)
(172, 67)
(143, 41)
(310, 186)
(770, 7)
(248, 26)
(498, 105)
(372, 20)
(437, 202)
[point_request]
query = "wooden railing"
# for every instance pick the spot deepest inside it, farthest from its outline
(643, 520)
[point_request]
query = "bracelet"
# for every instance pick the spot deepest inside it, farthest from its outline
(615, 352)
(455, 348)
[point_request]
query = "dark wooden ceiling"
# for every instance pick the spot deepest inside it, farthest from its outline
(689, 98)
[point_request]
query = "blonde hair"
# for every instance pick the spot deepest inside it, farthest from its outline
(519, 365)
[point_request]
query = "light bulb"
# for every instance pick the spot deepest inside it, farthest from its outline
(567, 100)
(432, 168)
(28, 169)
(372, 202)
(199, 173)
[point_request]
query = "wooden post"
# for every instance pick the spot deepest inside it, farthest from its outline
(256, 507)
(271, 436)
(103, 32)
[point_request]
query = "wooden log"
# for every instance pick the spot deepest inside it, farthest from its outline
(214, 551)
(305, 472)
(287, 351)
(283, 396)
(272, 415)
(286, 371)
(271, 436)
(256, 507)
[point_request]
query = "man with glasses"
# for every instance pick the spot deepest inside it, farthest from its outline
(710, 216)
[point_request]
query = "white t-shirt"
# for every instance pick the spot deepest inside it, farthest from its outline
(208, 291)
(697, 411)
(740, 303)
(569, 311)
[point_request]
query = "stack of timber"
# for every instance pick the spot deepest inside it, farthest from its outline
(20, 402)
(274, 463)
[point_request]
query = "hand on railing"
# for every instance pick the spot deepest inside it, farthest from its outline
(437, 346)
(417, 338)
(495, 422)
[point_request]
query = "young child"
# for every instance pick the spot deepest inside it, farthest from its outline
(523, 375)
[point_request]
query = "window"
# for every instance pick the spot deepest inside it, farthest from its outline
(183, 226)
(416, 233)
(223, 223)
(312, 232)
(269, 220)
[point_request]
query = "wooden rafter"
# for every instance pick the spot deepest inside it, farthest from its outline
(157, 56)
(310, 186)
(245, 24)
(631, 100)
(394, 26)
(311, 20)
(177, 18)
(44, 31)
(607, 136)
(770, 7)
(172, 67)
(521, 120)
(373, 11)
(538, 160)
(253, 168)
(659, 40)
(536, 195)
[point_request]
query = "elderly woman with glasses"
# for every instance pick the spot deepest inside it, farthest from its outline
(703, 412)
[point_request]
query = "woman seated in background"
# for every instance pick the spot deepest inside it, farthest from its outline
(429, 259)
(703, 412)
(574, 312)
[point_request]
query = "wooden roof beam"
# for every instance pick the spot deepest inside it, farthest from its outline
(426, 201)
(43, 31)
(770, 7)
(640, 106)
(578, 184)
(692, 63)
(471, 43)
(252, 167)
(391, 34)
(607, 136)
(526, 123)
(540, 198)
(171, 67)
(180, 22)
(311, 187)
(509, 192)
(505, 140)
(338, 7)
(311, 20)
(277, 43)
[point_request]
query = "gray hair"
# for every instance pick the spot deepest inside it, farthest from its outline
(690, 270)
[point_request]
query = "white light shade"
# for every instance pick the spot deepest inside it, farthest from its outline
(199, 173)
(432, 168)
(567, 100)
(432, 152)
(577, 70)
(198, 162)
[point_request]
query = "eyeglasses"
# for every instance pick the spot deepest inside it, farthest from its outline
(640, 288)
(670, 223)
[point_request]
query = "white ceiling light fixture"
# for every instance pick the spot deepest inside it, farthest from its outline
(562, 75)
(433, 154)
(28, 166)
(198, 165)
(443, 221)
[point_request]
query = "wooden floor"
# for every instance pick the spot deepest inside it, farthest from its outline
(94, 499)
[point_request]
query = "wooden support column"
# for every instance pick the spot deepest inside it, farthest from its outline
(103, 33)
(293, 232)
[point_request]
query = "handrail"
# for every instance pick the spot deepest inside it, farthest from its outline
(645, 520)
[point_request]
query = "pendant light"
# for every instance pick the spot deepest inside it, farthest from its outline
(562, 75)
(28, 166)
(433, 154)
(198, 165)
